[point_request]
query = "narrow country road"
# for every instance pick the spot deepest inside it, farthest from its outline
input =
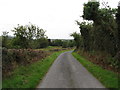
(67, 72)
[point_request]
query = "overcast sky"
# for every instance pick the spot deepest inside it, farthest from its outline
(57, 17)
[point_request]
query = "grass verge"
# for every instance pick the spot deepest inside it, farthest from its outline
(29, 76)
(107, 78)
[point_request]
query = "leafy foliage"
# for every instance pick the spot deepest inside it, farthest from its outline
(42, 43)
(25, 34)
(4, 39)
(91, 10)
(63, 43)
(56, 42)
(69, 43)
(85, 29)
(103, 34)
(28, 36)
(118, 27)
(76, 38)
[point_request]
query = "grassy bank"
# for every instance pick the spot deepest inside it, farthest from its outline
(29, 76)
(107, 78)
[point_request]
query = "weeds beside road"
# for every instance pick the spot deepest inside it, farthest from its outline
(108, 78)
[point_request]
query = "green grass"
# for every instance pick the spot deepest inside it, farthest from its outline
(107, 78)
(30, 76)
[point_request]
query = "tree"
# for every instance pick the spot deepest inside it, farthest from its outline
(4, 39)
(42, 43)
(105, 31)
(85, 29)
(25, 35)
(76, 38)
(65, 44)
(90, 11)
(101, 35)
(57, 42)
(118, 27)
(20, 40)
(71, 43)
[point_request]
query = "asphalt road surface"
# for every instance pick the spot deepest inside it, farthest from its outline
(67, 72)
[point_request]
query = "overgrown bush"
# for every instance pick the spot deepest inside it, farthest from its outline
(103, 59)
(14, 57)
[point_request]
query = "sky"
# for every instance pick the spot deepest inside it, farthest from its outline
(57, 17)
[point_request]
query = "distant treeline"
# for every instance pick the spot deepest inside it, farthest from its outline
(31, 36)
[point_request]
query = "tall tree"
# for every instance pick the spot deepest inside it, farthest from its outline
(76, 38)
(118, 26)
(25, 35)
(85, 29)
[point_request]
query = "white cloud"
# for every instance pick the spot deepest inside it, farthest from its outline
(57, 17)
